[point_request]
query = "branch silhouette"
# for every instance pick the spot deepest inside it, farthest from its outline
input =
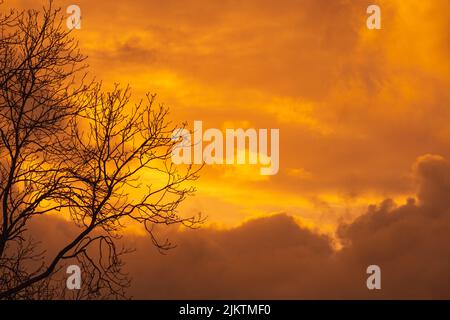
(69, 148)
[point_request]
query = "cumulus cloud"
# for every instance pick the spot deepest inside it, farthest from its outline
(274, 257)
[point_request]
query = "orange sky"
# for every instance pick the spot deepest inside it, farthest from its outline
(355, 107)
(363, 116)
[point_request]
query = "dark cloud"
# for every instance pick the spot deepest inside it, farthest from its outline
(274, 257)
(126, 53)
(433, 173)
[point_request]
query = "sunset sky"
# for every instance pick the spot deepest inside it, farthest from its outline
(361, 112)
(355, 107)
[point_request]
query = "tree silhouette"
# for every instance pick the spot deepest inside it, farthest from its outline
(68, 148)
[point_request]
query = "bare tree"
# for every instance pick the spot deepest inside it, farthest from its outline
(68, 148)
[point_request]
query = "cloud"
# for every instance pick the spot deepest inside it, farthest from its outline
(127, 53)
(296, 65)
(274, 257)
(341, 95)
(433, 173)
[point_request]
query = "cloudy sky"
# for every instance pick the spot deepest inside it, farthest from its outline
(364, 140)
